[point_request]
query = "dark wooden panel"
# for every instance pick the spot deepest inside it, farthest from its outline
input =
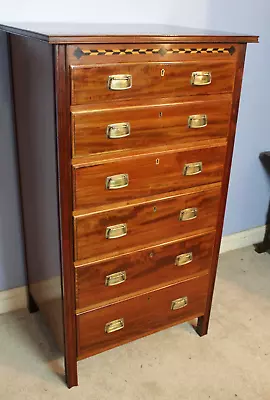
(144, 269)
(147, 223)
(33, 83)
(150, 125)
(157, 314)
(34, 96)
(90, 83)
(148, 175)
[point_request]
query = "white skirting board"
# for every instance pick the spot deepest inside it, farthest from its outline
(242, 239)
(14, 299)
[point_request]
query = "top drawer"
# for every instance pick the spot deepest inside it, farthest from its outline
(122, 81)
(149, 70)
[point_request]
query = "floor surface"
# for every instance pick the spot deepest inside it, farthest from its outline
(231, 362)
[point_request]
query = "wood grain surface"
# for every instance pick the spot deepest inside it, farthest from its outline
(62, 94)
(79, 32)
(89, 84)
(142, 315)
(148, 175)
(33, 73)
(63, 106)
(203, 321)
(147, 223)
(150, 124)
(144, 269)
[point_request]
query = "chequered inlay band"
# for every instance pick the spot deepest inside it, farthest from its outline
(78, 53)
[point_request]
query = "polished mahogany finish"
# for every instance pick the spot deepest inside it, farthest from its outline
(147, 223)
(123, 191)
(149, 124)
(71, 32)
(142, 315)
(90, 83)
(149, 175)
(154, 266)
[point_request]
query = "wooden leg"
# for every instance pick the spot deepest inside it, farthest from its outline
(202, 326)
(32, 306)
(71, 374)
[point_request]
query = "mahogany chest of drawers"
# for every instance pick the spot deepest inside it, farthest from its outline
(125, 141)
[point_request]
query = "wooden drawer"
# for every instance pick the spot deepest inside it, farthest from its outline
(147, 175)
(147, 223)
(156, 266)
(127, 128)
(140, 316)
(90, 83)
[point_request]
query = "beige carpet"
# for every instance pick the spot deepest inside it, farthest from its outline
(231, 362)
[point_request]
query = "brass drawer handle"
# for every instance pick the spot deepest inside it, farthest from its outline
(119, 82)
(201, 78)
(197, 121)
(179, 303)
(116, 231)
(188, 214)
(117, 181)
(117, 131)
(115, 279)
(183, 259)
(192, 168)
(115, 325)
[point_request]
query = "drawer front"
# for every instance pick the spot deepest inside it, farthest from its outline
(99, 82)
(127, 128)
(121, 276)
(143, 176)
(144, 224)
(115, 324)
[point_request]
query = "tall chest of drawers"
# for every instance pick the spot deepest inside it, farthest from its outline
(125, 140)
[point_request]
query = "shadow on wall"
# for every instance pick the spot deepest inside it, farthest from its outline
(11, 246)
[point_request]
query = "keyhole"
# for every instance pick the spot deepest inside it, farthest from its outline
(155, 209)
(161, 113)
(157, 161)
(162, 72)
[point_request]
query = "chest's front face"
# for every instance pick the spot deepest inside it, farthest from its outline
(150, 126)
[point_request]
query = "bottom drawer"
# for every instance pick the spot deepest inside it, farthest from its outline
(112, 325)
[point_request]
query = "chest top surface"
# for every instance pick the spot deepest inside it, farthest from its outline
(59, 33)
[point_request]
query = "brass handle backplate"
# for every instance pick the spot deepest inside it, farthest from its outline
(117, 181)
(179, 303)
(188, 214)
(183, 259)
(117, 131)
(192, 168)
(116, 231)
(115, 325)
(119, 82)
(116, 278)
(197, 121)
(201, 78)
